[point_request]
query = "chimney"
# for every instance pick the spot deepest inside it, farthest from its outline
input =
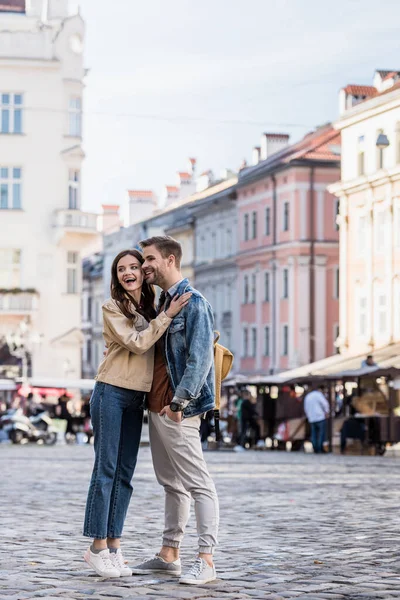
(110, 219)
(271, 143)
(142, 204)
(256, 155)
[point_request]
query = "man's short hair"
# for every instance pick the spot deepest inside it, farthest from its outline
(166, 246)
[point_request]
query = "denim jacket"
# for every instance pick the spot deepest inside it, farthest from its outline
(189, 352)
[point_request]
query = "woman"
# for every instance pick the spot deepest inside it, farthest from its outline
(131, 329)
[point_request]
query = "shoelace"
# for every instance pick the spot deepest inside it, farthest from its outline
(107, 562)
(118, 559)
(196, 568)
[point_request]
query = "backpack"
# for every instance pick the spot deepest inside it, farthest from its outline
(223, 359)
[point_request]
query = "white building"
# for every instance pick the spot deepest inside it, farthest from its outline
(42, 227)
(369, 220)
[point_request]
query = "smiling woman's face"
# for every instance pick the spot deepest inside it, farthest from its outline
(130, 274)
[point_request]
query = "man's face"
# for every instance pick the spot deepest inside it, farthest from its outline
(155, 266)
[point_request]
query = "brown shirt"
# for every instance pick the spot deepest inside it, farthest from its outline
(161, 393)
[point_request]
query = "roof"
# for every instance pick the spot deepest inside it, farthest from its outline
(184, 175)
(360, 90)
(193, 160)
(391, 74)
(12, 6)
(319, 145)
(385, 72)
(110, 206)
(337, 366)
(141, 193)
(172, 189)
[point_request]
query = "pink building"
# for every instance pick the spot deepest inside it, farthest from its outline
(288, 256)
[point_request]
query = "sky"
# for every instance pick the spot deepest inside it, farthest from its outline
(172, 79)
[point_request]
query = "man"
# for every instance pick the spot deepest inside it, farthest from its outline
(248, 419)
(368, 362)
(316, 408)
(182, 391)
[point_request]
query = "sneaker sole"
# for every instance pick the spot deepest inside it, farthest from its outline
(92, 566)
(158, 571)
(196, 581)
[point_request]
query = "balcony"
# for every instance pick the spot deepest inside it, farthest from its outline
(69, 222)
(18, 302)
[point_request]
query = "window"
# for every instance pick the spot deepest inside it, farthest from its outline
(245, 342)
(10, 268)
(336, 283)
(72, 272)
(336, 332)
(11, 113)
(245, 289)
(337, 213)
(266, 341)
(266, 287)
(254, 342)
(253, 288)
(268, 221)
(380, 153)
(254, 225)
(362, 316)
(382, 315)
(286, 209)
(362, 234)
(228, 242)
(285, 340)
(246, 227)
(10, 187)
(74, 189)
(285, 283)
(75, 117)
(381, 231)
(360, 156)
(213, 245)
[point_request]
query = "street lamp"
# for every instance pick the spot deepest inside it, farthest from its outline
(382, 141)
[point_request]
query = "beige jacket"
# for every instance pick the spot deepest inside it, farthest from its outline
(130, 358)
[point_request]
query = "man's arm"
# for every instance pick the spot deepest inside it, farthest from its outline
(325, 404)
(200, 346)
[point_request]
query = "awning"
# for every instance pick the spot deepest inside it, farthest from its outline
(7, 385)
(68, 384)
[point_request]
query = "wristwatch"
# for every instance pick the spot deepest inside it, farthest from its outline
(178, 404)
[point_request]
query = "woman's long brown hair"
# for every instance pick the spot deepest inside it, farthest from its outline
(121, 296)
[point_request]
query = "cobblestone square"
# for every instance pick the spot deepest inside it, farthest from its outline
(292, 526)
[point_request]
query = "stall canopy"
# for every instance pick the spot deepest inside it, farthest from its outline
(7, 385)
(386, 357)
(68, 384)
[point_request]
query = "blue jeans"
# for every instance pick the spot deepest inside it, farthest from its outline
(318, 435)
(117, 416)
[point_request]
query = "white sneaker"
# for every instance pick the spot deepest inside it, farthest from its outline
(200, 573)
(118, 561)
(101, 563)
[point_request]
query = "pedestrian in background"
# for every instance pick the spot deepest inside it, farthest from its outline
(131, 329)
(316, 408)
(249, 426)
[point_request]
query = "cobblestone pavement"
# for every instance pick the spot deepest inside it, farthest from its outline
(292, 526)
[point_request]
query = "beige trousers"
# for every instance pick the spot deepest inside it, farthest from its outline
(180, 468)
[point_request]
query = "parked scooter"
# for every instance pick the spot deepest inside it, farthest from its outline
(22, 429)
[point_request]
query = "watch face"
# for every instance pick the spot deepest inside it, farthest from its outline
(76, 43)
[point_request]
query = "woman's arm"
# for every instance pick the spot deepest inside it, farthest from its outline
(135, 341)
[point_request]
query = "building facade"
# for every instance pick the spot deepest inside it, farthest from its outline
(92, 318)
(215, 268)
(369, 194)
(288, 259)
(43, 229)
